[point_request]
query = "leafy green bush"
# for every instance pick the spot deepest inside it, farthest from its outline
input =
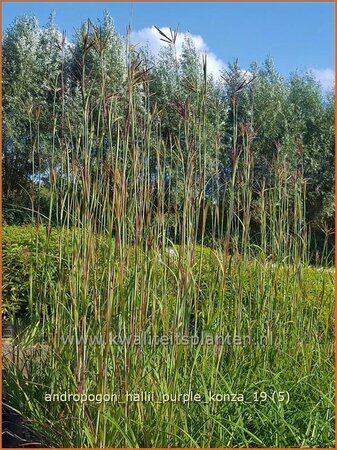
(24, 259)
(31, 266)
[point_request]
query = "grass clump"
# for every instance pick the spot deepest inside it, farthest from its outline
(126, 252)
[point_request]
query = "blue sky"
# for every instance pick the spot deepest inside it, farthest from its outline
(299, 36)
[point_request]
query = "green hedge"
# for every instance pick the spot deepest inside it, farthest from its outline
(31, 267)
(24, 261)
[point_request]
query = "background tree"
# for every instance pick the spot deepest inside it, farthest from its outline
(46, 76)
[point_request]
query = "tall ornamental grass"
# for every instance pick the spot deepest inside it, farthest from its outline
(130, 212)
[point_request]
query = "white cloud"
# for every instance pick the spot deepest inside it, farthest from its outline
(152, 37)
(325, 76)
